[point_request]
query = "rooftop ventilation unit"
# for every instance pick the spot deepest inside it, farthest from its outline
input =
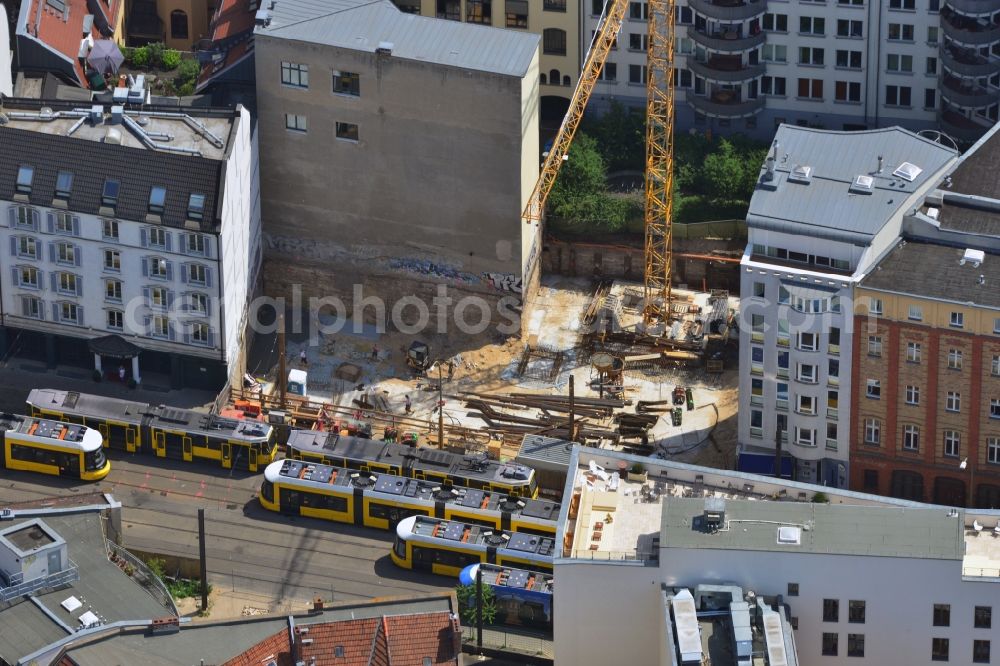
(907, 171)
(113, 136)
(262, 18)
(97, 114)
(117, 112)
(933, 213)
(863, 184)
(88, 24)
(974, 257)
(384, 48)
(790, 535)
(714, 516)
(800, 173)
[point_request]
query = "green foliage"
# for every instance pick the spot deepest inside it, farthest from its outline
(637, 468)
(467, 603)
(171, 59)
(621, 136)
(820, 498)
(139, 57)
(187, 77)
(722, 173)
(178, 588)
(157, 566)
(156, 51)
(580, 195)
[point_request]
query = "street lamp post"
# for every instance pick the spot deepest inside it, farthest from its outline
(440, 369)
(972, 481)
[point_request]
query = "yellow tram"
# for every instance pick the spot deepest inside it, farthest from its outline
(53, 447)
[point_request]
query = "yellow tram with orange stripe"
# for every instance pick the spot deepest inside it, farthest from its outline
(52, 447)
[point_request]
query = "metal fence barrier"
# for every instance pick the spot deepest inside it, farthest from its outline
(141, 574)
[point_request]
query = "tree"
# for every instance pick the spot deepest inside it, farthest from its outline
(722, 173)
(621, 137)
(467, 603)
(580, 195)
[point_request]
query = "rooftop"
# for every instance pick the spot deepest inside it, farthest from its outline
(373, 25)
(934, 271)
(974, 182)
(840, 192)
(922, 533)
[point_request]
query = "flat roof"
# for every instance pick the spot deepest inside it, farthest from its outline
(367, 25)
(834, 529)
(826, 207)
(926, 270)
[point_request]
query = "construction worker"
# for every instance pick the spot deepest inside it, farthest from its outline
(409, 405)
(374, 352)
(303, 359)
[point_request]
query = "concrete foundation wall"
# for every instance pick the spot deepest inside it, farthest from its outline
(431, 190)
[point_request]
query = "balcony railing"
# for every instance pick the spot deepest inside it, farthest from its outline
(961, 92)
(719, 109)
(17, 588)
(969, 31)
(968, 63)
(728, 10)
(960, 127)
(713, 72)
(973, 7)
(730, 42)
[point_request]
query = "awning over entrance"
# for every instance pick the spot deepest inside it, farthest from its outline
(113, 346)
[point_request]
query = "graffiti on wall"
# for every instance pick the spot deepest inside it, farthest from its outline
(503, 281)
(433, 269)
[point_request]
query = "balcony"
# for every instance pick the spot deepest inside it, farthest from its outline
(964, 93)
(969, 31)
(725, 69)
(959, 127)
(730, 41)
(728, 10)
(725, 106)
(973, 7)
(966, 62)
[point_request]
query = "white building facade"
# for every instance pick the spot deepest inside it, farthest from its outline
(815, 230)
(852, 64)
(158, 246)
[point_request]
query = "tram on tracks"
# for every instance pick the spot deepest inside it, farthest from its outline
(52, 447)
(446, 468)
(522, 597)
(377, 499)
(166, 432)
(446, 547)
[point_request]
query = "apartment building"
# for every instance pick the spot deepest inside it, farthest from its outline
(827, 207)
(133, 236)
(862, 579)
(557, 22)
(401, 151)
(749, 66)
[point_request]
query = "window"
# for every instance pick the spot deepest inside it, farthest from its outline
(957, 320)
(159, 297)
(980, 652)
(449, 9)
(983, 617)
(349, 83)
(347, 131)
(811, 89)
(807, 405)
(856, 644)
(932, 34)
(195, 244)
(116, 320)
(637, 41)
(25, 176)
(782, 364)
(875, 306)
(900, 32)
(954, 359)
(554, 41)
(67, 283)
(27, 247)
(831, 610)
(916, 313)
(776, 22)
(847, 91)
(832, 401)
(160, 327)
(70, 313)
(931, 67)
(856, 612)
(517, 16)
(113, 291)
(31, 307)
(63, 224)
(198, 303)
(178, 24)
(200, 333)
(477, 11)
(912, 395)
(112, 260)
(911, 438)
(871, 481)
(296, 123)
(26, 218)
(685, 16)
(953, 402)
(759, 289)
(295, 75)
(994, 408)
(829, 644)
(196, 206)
(849, 59)
(913, 352)
(775, 53)
(610, 73)
(834, 344)
(109, 229)
(197, 274)
(157, 199)
(807, 373)
(942, 615)
(850, 28)
(109, 193)
(902, 4)
(831, 434)
(808, 341)
(64, 184)
(772, 85)
(157, 237)
(833, 371)
(793, 589)
(638, 11)
(996, 325)
(810, 56)
(993, 450)
(27, 276)
(756, 423)
(852, 3)
(874, 389)
(899, 63)
(874, 345)
(812, 25)
(805, 437)
(873, 431)
(66, 254)
(158, 268)
(897, 96)
(637, 74)
(756, 354)
(995, 366)
(952, 449)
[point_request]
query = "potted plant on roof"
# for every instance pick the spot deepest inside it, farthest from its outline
(637, 473)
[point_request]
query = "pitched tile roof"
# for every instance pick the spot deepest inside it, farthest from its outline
(273, 647)
(232, 38)
(91, 163)
(61, 32)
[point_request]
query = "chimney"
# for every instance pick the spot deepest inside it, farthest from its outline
(880, 161)
(318, 604)
(982, 279)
